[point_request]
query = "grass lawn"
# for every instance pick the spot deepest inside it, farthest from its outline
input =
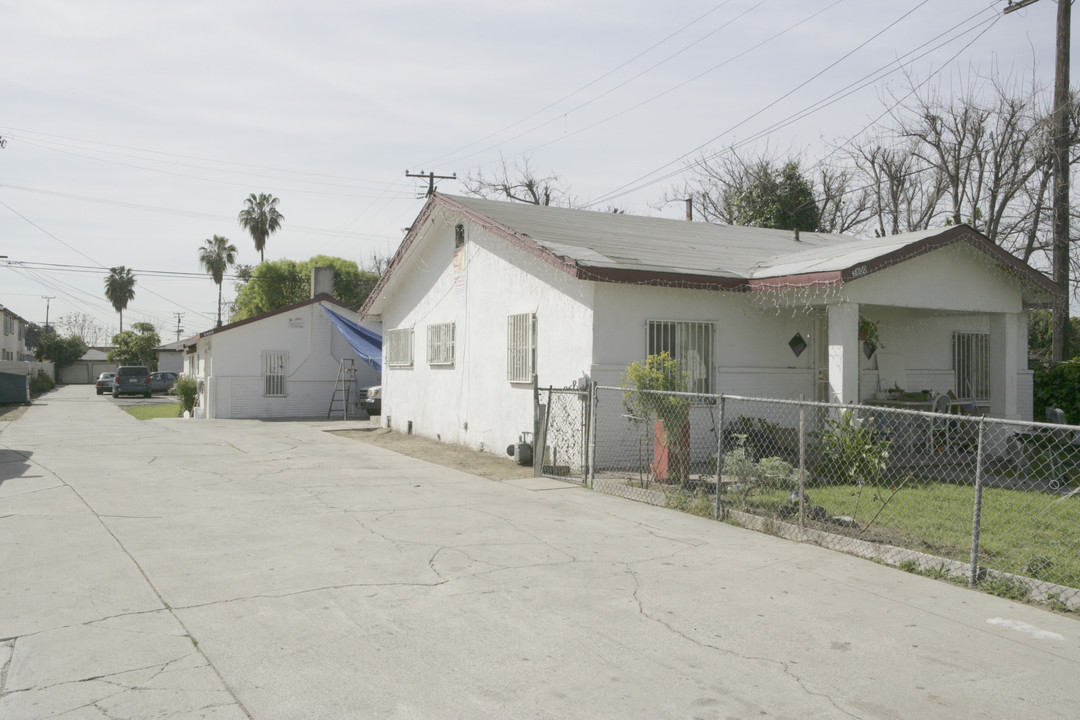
(1027, 532)
(149, 412)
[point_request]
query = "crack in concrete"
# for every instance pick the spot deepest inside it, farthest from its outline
(153, 588)
(305, 591)
(10, 644)
(785, 667)
(31, 492)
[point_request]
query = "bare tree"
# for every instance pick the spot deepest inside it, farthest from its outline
(519, 183)
(845, 206)
(87, 329)
(989, 145)
(903, 192)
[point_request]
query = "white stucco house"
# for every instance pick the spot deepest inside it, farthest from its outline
(170, 357)
(13, 337)
(282, 364)
(481, 295)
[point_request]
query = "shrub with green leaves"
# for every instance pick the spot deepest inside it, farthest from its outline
(851, 451)
(42, 382)
(187, 390)
(1058, 386)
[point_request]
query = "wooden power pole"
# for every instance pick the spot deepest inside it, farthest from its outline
(431, 178)
(1060, 129)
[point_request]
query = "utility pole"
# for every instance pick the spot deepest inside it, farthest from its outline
(178, 328)
(431, 178)
(47, 298)
(1060, 139)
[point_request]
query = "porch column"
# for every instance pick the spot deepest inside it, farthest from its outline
(844, 353)
(1008, 348)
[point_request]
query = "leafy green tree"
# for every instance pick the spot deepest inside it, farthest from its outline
(33, 336)
(216, 256)
(63, 351)
(279, 283)
(1041, 335)
(120, 289)
(136, 346)
(780, 199)
(260, 217)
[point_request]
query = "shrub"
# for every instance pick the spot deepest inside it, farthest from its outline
(42, 382)
(851, 451)
(187, 390)
(1058, 386)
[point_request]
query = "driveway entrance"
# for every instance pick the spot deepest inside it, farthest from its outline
(244, 569)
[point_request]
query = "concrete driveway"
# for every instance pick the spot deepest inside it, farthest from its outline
(241, 569)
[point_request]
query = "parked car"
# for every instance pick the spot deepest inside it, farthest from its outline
(162, 381)
(105, 382)
(131, 380)
(372, 400)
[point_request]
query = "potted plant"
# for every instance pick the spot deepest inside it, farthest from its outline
(650, 398)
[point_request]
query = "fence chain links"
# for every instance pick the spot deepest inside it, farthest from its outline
(926, 491)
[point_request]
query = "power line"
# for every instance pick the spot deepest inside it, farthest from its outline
(644, 180)
(205, 159)
(586, 103)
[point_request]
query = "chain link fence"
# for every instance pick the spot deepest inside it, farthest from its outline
(947, 493)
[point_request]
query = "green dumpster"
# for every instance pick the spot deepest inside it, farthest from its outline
(14, 388)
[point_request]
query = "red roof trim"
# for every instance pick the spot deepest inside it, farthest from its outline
(818, 279)
(667, 279)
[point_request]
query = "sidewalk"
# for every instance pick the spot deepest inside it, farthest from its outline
(245, 569)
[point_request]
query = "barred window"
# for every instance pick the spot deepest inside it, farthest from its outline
(398, 347)
(520, 347)
(274, 366)
(971, 365)
(691, 344)
(440, 344)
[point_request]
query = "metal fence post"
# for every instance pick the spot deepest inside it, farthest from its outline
(594, 402)
(537, 458)
(718, 509)
(802, 461)
(973, 577)
(590, 433)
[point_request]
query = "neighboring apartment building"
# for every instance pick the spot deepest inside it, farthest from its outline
(13, 339)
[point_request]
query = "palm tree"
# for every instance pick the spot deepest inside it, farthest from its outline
(261, 218)
(120, 290)
(216, 256)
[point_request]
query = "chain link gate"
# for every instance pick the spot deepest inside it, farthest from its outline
(564, 434)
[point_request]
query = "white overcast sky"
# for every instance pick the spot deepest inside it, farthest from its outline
(135, 129)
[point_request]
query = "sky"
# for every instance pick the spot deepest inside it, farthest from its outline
(134, 130)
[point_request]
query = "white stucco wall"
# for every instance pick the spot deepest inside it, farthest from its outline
(917, 304)
(472, 403)
(230, 364)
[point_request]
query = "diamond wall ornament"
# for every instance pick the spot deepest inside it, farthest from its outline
(797, 344)
(868, 348)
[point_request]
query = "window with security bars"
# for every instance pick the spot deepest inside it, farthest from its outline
(691, 344)
(274, 364)
(971, 365)
(520, 347)
(398, 347)
(440, 344)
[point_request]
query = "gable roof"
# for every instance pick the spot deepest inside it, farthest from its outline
(615, 247)
(247, 321)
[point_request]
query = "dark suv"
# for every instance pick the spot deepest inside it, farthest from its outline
(131, 380)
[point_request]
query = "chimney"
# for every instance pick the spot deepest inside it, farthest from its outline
(690, 209)
(322, 281)
(796, 234)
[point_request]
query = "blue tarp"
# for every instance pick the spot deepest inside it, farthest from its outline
(367, 344)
